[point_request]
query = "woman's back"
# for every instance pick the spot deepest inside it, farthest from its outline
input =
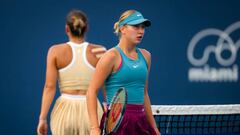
(72, 65)
(76, 63)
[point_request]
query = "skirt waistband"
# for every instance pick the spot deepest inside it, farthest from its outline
(134, 108)
(73, 97)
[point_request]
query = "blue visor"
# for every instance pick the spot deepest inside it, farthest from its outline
(134, 19)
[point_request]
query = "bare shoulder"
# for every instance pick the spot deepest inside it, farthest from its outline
(57, 49)
(145, 53)
(111, 54)
(109, 59)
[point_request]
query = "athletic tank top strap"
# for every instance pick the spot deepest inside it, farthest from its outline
(141, 56)
(120, 51)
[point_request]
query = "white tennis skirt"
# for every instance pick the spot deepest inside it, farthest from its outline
(70, 116)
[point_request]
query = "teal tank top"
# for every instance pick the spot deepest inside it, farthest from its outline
(132, 76)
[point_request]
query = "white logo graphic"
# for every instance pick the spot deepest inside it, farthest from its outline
(135, 66)
(138, 15)
(202, 71)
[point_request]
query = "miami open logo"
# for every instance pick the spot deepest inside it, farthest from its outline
(222, 69)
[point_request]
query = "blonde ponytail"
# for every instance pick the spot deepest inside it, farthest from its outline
(122, 17)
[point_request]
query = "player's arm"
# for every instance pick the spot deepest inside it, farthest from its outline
(49, 90)
(98, 51)
(147, 103)
(103, 69)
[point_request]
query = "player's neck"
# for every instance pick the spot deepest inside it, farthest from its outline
(76, 40)
(127, 47)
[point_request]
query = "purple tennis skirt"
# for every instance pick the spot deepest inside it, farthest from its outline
(134, 122)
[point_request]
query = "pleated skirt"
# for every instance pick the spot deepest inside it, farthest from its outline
(134, 122)
(70, 116)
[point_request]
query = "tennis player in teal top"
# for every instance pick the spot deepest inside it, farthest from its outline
(125, 66)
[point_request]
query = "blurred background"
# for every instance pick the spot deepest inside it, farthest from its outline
(194, 47)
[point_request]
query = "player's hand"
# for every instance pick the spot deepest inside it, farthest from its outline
(42, 127)
(95, 131)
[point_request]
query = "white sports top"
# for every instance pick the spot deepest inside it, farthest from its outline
(76, 75)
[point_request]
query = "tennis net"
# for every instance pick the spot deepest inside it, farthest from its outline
(198, 119)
